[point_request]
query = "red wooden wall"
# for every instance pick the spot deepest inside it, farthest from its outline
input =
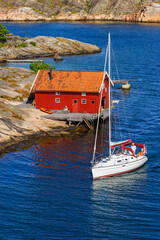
(73, 101)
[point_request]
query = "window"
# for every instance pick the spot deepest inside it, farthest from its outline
(83, 93)
(57, 93)
(57, 100)
(92, 102)
(105, 89)
(84, 101)
(75, 101)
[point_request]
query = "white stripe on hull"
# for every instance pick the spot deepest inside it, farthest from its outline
(112, 170)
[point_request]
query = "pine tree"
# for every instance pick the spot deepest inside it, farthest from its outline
(3, 33)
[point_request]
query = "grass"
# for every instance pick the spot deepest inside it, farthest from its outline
(12, 83)
(72, 12)
(24, 92)
(28, 86)
(9, 98)
(36, 10)
(15, 115)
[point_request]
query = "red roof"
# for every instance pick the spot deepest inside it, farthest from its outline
(68, 81)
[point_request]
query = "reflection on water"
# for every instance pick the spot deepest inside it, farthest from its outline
(121, 184)
(119, 204)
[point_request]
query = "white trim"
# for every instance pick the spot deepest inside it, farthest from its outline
(83, 100)
(110, 80)
(57, 100)
(104, 74)
(34, 81)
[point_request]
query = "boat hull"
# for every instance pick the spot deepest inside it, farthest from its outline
(111, 168)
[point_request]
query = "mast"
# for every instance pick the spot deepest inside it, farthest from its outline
(109, 82)
(99, 112)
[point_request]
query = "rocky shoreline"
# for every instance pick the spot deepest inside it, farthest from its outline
(20, 121)
(116, 10)
(13, 133)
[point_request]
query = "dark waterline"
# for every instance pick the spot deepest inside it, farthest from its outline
(47, 191)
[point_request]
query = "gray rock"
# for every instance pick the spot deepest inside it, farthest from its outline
(57, 57)
(44, 47)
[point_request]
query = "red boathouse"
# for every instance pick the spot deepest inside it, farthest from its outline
(78, 91)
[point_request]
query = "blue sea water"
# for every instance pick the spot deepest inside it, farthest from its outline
(47, 191)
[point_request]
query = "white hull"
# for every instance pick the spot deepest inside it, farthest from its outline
(116, 165)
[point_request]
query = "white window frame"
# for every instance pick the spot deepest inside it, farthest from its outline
(83, 94)
(83, 101)
(57, 93)
(57, 100)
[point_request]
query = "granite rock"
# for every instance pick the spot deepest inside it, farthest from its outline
(43, 46)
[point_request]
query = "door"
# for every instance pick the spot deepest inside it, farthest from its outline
(75, 105)
(103, 102)
(93, 106)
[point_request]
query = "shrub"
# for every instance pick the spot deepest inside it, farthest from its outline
(56, 13)
(1, 44)
(88, 3)
(38, 65)
(35, 9)
(22, 45)
(33, 43)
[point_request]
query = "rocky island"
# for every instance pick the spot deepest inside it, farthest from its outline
(80, 10)
(17, 47)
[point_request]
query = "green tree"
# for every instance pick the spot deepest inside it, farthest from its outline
(38, 65)
(3, 33)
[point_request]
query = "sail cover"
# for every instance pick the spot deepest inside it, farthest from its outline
(116, 144)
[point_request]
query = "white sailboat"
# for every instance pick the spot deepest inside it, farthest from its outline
(122, 157)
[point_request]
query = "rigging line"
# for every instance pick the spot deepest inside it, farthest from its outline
(95, 143)
(115, 62)
(129, 133)
(116, 129)
(122, 96)
(102, 135)
(100, 154)
(119, 123)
